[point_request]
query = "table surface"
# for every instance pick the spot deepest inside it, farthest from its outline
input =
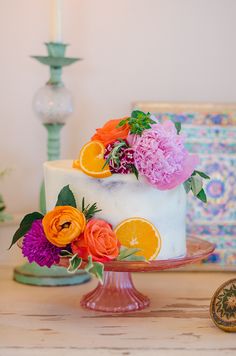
(42, 321)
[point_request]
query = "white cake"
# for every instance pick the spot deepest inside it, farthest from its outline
(121, 197)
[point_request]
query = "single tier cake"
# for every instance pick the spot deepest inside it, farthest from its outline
(122, 199)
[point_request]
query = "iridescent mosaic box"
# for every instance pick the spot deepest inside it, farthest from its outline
(211, 132)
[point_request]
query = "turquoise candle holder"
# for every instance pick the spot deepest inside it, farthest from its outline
(53, 104)
(56, 60)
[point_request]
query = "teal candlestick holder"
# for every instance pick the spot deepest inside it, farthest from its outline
(56, 60)
(52, 104)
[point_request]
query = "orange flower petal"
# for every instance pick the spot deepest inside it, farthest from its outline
(63, 224)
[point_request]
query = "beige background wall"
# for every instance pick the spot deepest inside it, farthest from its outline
(133, 50)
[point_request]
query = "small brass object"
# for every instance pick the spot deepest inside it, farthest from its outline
(223, 306)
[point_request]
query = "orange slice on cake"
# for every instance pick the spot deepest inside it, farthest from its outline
(76, 164)
(91, 160)
(139, 233)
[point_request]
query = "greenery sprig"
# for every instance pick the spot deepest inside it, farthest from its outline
(129, 254)
(114, 155)
(195, 184)
(138, 122)
(95, 268)
(89, 210)
(135, 171)
(178, 127)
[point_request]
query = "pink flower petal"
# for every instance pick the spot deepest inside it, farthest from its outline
(161, 157)
(192, 160)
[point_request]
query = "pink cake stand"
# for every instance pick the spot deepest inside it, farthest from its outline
(118, 295)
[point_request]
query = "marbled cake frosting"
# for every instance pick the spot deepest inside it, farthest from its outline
(121, 197)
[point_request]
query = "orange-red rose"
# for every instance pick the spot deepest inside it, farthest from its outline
(110, 132)
(98, 240)
(63, 224)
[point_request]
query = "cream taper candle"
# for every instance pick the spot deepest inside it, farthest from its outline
(56, 21)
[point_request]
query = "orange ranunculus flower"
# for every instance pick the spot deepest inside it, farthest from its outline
(63, 224)
(110, 132)
(98, 240)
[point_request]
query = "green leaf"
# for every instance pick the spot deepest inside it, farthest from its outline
(202, 196)
(178, 127)
(134, 131)
(65, 253)
(201, 174)
(196, 184)
(83, 204)
(66, 197)
(136, 258)
(126, 252)
(89, 265)
(187, 185)
(107, 161)
(25, 226)
(98, 270)
(75, 263)
(138, 114)
(122, 122)
(135, 171)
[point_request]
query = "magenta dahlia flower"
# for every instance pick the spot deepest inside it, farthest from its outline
(37, 248)
(160, 156)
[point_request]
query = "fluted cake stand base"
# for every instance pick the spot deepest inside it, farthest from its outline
(117, 294)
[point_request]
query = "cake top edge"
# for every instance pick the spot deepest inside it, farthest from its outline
(66, 167)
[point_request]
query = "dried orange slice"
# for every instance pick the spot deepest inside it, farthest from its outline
(139, 233)
(91, 160)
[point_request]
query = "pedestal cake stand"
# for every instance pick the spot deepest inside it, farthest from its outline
(117, 294)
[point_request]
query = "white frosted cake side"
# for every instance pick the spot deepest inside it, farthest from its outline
(121, 197)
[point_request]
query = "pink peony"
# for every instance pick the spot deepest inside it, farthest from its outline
(160, 156)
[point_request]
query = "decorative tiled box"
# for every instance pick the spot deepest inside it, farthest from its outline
(210, 131)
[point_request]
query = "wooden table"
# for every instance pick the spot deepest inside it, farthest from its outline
(38, 321)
